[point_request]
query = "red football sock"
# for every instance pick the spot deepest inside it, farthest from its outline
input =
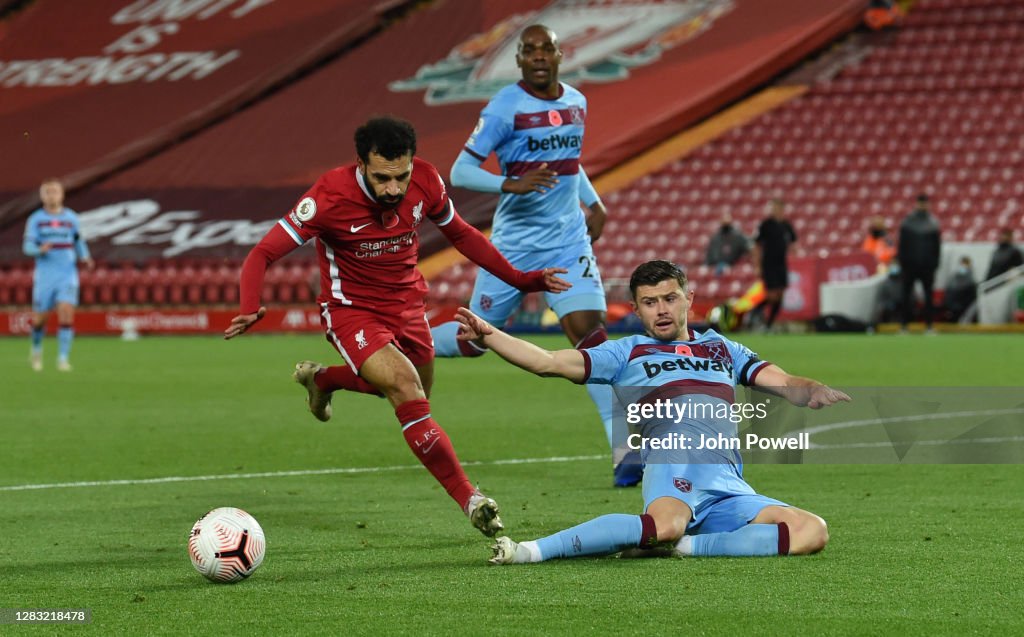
(433, 448)
(343, 377)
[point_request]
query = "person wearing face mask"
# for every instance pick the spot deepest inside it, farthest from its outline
(878, 244)
(727, 246)
(961, 290)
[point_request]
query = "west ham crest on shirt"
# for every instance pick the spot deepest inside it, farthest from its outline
(682, 484)
(717, 351)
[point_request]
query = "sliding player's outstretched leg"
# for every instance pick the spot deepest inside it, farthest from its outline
(601, 536)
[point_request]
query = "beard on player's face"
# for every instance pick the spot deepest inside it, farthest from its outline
(380, 196)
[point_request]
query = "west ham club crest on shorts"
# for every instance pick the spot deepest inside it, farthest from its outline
(485, 302)
(682, 484)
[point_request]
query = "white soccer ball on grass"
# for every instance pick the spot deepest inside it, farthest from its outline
(226, 545)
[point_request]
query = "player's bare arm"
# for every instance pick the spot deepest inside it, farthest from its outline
(553, 282)
(595, 220)
(243, 322)
(540, 180)
(567, 363)
(802, 392)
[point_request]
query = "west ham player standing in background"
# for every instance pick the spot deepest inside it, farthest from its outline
(535, 127)
(693, 497)
(365, 217)
(52, 237)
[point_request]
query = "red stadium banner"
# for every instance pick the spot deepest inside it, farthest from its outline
(168, 321)
(86, 87)
(649, 68)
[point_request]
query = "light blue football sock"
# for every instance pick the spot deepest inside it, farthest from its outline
(752, 540)
(607, 534)
(37, 338)
(65, 334)
(602, 397)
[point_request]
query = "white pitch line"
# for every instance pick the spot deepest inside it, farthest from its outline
(286, 474)
(849, 424)
(552, 459)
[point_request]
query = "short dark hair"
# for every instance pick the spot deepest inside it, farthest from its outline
(922, 197)
(389, 137)
(653, 273)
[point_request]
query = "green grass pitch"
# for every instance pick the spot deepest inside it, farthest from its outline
(915, 549)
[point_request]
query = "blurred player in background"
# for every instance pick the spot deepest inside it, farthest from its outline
(695, 499)
(365, 217)
(53, 239)
(535, 127)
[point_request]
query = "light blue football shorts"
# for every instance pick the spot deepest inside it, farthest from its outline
(494, 300)
(719, 497)
(47, 293)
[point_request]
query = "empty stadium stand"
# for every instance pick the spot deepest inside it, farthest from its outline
(936, 107)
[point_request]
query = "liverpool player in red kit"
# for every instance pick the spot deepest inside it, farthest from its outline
(365, 218)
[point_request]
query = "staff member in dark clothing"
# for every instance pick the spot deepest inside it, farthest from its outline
(1006, 256)
(918, 253)
(774, 236)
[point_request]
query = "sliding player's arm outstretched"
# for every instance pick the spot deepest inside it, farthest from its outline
(802, 392)
(567, 363)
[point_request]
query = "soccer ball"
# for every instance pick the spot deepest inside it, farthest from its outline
(226, 545)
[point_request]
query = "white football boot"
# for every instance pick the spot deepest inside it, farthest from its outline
(319, 402)
(483, 513)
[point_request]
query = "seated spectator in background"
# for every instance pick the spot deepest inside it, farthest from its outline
(890, 300)
(961, 290)
(878, 244)
(727, 246)
(1006, 257)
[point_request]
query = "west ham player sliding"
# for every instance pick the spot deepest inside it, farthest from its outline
(535, 127)
(697, 500)
(365, 217)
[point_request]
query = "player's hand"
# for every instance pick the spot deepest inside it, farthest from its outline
(472, 327)
(243, 322)
(44, 248)
(537, 180)
(823, 396)
(555, 283)
(595, 222)
(89, 263)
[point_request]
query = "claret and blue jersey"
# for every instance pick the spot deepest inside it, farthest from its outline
(61, 232)
(704, 369)
(525, 132)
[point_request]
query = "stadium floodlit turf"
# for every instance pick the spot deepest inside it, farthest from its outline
(915, 549)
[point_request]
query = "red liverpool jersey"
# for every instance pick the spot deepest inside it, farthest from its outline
(368, 252)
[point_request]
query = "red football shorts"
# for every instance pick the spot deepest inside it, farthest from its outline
(357, 333)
